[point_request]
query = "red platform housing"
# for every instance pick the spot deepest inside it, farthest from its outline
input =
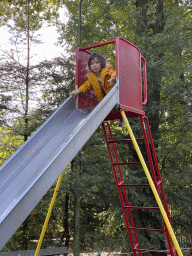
(131, 73)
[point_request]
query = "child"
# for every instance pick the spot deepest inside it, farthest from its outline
(101, 77)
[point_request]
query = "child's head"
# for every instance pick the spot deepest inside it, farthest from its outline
(98, 56)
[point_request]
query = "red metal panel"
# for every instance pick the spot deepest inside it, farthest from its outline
(130, 76)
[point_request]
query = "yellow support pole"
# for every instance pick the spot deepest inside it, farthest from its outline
(48, 215)
(169, 227)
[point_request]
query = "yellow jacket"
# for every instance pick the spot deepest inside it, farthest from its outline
(106, 73)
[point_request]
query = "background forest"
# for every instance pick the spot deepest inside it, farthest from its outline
(30, 93)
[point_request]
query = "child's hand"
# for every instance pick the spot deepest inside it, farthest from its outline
(112, 80)
(74, 93)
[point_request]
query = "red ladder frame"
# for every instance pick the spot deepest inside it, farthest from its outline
(121, 187)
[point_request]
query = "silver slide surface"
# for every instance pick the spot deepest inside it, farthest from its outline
(29, 173)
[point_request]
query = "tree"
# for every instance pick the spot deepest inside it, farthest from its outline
(39, 12)
(176, 121)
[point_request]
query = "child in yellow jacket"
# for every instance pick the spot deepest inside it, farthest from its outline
(101, 77)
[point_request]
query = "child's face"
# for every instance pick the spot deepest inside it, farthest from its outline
(95, 66)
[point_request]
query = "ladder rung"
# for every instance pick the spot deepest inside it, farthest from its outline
(129, 185)
(121, 183)
(148, 229)
(127, 140)
(136, 245)
(146, 250)
(132, 163)
(138, 185)
(142, 207)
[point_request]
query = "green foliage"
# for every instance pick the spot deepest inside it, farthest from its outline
(60, 73)
(9, 142)
(39, 11)
(98, 24)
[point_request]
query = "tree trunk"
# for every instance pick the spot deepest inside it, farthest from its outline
(154, 84)
(66, 222)
(154, 81)
(27, 81)
(77, 206)
(26, 222)
(76, 243)
(24, 237)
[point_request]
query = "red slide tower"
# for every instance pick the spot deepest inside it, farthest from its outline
(132, 80)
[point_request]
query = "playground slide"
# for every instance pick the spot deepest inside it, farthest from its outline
(29, 173)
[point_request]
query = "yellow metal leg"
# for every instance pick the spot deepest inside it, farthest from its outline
(169, 227)
(48, 215)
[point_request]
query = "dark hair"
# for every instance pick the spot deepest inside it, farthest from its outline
(99, 57)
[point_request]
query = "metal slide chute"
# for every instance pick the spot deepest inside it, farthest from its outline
(29, 173)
